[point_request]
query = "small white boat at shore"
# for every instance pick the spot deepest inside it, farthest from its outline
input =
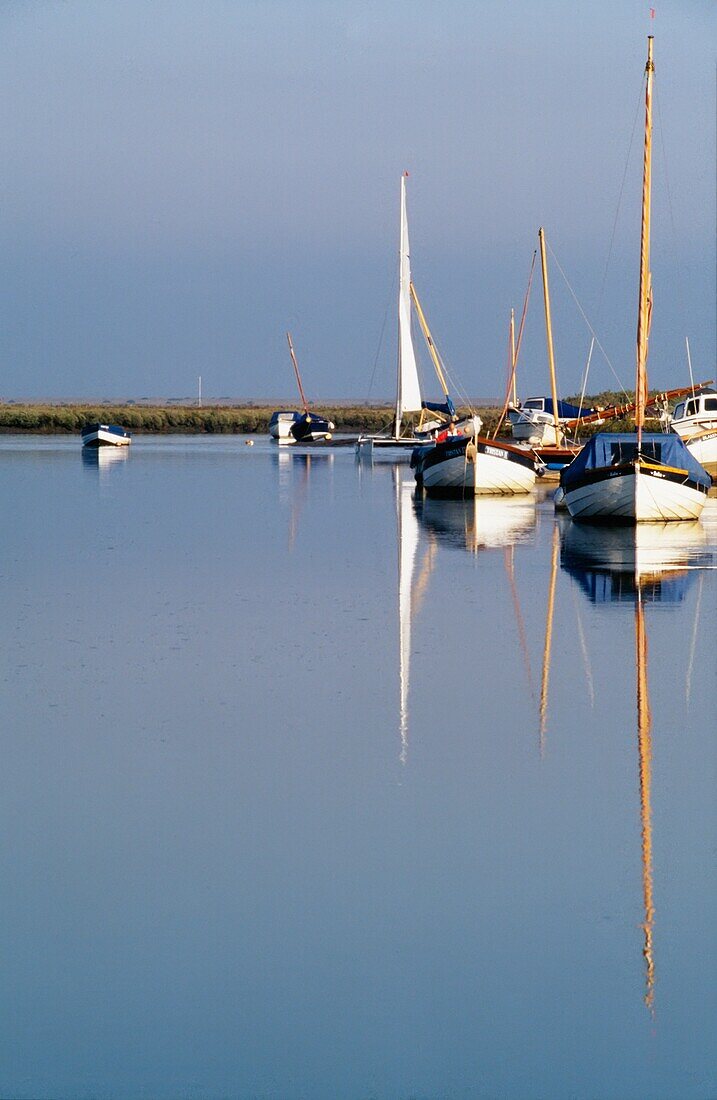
(695, 421)
(105, 435)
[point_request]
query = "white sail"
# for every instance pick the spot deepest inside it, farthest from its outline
(407, 547)
(408, 391)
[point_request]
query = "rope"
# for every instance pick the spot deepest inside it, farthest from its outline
(585, 319)
(380, 339)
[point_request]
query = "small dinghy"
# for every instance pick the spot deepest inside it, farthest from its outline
(290, 426)
(105, 435)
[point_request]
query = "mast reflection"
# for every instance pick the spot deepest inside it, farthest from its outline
(653, 563)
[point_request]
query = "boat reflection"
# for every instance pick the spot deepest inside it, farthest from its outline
(478, 523)
(104, 459)
(295, 470)
(641, 565)
(612, 564)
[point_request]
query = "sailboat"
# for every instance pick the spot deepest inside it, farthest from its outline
(299, 427)
(542, 421)
(637, 477)
(535, 423)
(432, 416)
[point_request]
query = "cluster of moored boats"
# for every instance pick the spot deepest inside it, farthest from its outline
(626, 477)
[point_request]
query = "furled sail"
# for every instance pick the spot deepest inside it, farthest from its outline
(408, 392)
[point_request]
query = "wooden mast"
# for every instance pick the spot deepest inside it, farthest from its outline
(645, 298)
(512, 356)
(435, 358)
(549, 336)
(296, 372)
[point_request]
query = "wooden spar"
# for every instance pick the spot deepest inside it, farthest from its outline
(549, 334)
(548, 639)
(296, 372)
(644, 744)
(613, 411)
(645, 296)
(435, 358)
(512, 355)
(517, 349)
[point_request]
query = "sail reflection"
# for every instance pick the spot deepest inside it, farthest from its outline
(645, 564)
(412, 586)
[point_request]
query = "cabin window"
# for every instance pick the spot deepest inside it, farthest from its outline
(691, 408)
(679, 411)
(626, 452)
(534, 403)
(710, 404)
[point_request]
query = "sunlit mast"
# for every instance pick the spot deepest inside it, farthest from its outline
(549, 336)
(645, 298)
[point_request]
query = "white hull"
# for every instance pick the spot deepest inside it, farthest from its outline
(634, 497)
(537, 434)
(102, 438)
(488, 474)
(704, 449)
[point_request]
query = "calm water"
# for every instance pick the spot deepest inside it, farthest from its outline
(291, 807)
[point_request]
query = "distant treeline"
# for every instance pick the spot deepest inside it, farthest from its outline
(222, 419)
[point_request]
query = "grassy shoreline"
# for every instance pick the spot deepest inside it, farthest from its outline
(209, 420)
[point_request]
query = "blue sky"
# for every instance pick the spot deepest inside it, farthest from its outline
(182, 181)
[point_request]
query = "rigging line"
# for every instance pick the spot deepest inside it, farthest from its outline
(380, 339)
(584, 387)
(585, 319)
(518, 344)
(619, 199)
(668, 189)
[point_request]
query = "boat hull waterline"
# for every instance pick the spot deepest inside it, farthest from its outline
(451, 469)
(635, 493)
(105, 435)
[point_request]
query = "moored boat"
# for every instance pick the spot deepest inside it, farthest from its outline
(473, 465)
(290, 426)
(616, 480)
(105, 435)
(637, 477)
(415, 420)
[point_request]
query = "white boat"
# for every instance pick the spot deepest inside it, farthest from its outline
(291, 426)
(473, 465)
(105, 435)
(695, 421)
(636, 477)
(533, 421)
(408, 432)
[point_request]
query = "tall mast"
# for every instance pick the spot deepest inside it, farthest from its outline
(296, 372)
(645, 300)
(549, 333)
(512, 356)
(435, 358)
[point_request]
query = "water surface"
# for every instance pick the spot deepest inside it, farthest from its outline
(314, 790)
